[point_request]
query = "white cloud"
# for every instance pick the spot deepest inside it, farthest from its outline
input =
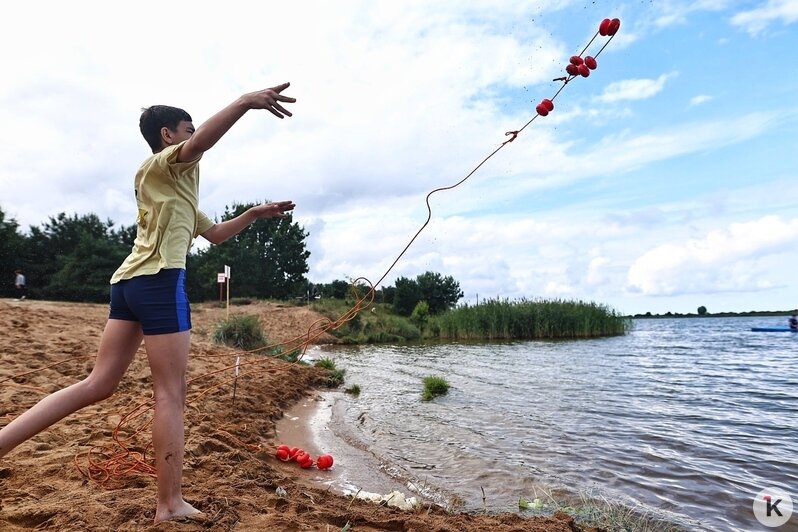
(634, 89)
(701, 98)
(757, 20)
(670, 12)
(724, 260)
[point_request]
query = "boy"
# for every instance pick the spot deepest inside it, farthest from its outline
(19, 284)
(148, 299)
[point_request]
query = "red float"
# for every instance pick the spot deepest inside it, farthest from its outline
(548, 104)
(591, 63)
(584, 71)
(572, 69)
(615, 24)
(605, 24)
(576, 60)
(541, 109)
(324, 461)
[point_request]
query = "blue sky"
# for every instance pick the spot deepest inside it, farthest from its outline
(664, 181)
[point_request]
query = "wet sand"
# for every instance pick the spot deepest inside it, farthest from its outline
(230, 470)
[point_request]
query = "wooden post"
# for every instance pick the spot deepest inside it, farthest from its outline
(227, 278)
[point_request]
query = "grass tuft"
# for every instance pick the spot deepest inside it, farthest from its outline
(433, 387)
(240, 331)
(336, 375)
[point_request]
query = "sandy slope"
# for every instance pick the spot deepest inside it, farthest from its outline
(230, 471)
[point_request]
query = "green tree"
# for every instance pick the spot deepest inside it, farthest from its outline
(406, 296)
(268, 259)
(337, 289)
(11, 248)
(385, 294)
(420, 314)
(440, 293)
(85, 272)
(73, 257)
(702, 310)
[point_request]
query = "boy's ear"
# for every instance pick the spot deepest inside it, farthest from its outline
(166, 136)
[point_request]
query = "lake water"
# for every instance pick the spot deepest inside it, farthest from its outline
(686, 419)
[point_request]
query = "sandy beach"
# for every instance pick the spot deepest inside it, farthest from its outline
(231, 473)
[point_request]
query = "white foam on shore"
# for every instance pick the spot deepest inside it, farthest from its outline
(308, 425)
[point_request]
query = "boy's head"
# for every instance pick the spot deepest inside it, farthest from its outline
(161, 126)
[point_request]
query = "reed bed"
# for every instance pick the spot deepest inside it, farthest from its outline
(503, 319)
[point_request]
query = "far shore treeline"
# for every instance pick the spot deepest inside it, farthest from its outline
(71, 258)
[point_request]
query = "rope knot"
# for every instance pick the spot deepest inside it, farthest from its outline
(514, 135)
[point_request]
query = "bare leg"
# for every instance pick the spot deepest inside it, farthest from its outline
(168, 356)
(118, 345)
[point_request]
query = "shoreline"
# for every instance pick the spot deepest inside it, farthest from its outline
(49, 345)
(306, 424)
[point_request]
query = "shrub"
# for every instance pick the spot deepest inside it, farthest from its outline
(336, 376)
(241, 331)
(433, 387)
(326, 363)
(420, 314)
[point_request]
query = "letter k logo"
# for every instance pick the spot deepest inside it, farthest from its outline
(772, 506)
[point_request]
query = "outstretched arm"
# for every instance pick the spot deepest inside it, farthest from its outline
(224, 230)
(216, 126)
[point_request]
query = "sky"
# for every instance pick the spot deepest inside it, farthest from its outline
(664, 181)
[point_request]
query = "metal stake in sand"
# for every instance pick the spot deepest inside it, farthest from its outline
(235, 381)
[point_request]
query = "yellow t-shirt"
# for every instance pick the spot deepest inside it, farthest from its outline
(167, 194)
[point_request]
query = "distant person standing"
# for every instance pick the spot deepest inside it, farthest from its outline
(19, 283)
(793, 321)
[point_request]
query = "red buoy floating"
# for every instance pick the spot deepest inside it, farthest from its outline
(576, 60)
(591, 63)
(572, 69)
(541, 109)
(583, 71)
(548, 104)
(605, 24)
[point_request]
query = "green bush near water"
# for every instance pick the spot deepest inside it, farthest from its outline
(525, 319)
(336, 375)
(490, 320)
(433, 387)
(376, 324)
(240, 331)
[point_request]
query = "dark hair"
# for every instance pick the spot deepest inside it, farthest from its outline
(158, 116)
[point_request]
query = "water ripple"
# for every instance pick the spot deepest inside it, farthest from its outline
(673, 415)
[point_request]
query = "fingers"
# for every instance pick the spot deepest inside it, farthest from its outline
(273, 106)
(277, 209)
(284, 206)
(282, 109)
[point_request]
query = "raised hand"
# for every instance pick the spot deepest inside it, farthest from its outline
(270, 99)
(276, 209)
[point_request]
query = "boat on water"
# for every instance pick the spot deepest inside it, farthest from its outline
(773, 329)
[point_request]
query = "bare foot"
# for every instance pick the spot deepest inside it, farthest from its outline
(183, 511)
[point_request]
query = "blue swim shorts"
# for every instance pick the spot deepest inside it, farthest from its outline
(157, 301)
